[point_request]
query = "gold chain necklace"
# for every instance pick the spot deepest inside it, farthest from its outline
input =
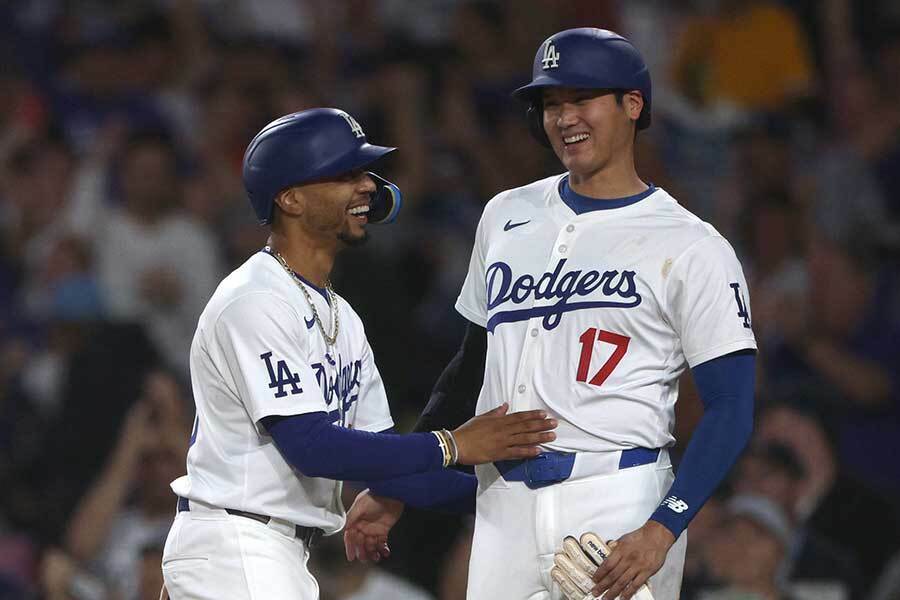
(332, 298)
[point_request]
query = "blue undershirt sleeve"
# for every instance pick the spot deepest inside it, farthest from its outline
(447, 490)
(726, 386)
(317, 448)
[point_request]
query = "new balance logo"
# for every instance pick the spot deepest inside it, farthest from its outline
(675, 504)
(355, 127)
(551, 57)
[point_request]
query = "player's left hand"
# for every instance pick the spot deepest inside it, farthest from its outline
(634, 557)
(369, 521)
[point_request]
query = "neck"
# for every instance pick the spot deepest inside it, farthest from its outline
(306, 256)
(615, 180)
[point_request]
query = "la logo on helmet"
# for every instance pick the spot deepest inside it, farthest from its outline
(551, 57)
(355, 127)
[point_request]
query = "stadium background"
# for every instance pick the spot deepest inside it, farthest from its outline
(122, 126)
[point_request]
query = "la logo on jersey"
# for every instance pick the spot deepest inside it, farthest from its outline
(355, 127)
(741, 304)
(618, 289)
(551, 57)
(281, 376)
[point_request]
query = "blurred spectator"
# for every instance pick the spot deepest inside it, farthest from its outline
(703, 530)
(824, 497)
(156, 265)
(773, 471)
(129, 507)
(842, 350)
(341, 580)
(61, 578)
(749, 53)
(66, 287)
(36, 185)
(745, 556)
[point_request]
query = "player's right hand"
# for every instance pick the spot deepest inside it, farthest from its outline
(496, 435)
(369, 521)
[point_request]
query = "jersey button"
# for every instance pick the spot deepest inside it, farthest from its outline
(534, 333)
(563, 248)
(522, 388)
(570, 228)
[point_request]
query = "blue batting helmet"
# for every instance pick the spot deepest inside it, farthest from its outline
(308, 145)
(586, 57)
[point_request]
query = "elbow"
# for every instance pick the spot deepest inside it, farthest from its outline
(308, 469)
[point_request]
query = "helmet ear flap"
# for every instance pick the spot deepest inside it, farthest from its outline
(535, 117)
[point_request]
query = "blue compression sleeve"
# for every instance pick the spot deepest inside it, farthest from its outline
(726, 386)
(447, 490)
(316, 448)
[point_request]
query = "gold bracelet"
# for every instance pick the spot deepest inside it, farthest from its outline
(454, 449)
(445, 449)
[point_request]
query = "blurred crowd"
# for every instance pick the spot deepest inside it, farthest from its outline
(122, 128)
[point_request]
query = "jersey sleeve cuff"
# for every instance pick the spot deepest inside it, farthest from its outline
(717, 351)
(379, 427)
(282, 412)
(668, 519)
(471, 315)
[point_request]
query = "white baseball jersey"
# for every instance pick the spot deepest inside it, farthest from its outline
(595, 316)
(257, 352)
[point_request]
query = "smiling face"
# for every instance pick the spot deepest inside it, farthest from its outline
(590, 129)
(332, 208)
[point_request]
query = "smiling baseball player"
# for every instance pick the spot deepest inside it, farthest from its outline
(287, 393)
(588, 295)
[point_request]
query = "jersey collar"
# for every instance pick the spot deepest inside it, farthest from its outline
(582, 204)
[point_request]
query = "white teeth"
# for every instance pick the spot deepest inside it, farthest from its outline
(576, 138)
(359, 210)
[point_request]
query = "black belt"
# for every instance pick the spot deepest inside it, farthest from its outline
(308, 535)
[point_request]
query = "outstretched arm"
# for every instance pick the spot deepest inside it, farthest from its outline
(317, 448)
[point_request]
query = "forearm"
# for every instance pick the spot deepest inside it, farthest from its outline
(864, 382)
(455, 393)
(89, 526)
(447, 490)
(316, 448)
(726, 387)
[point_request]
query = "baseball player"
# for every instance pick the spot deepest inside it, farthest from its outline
(288, 398)
(588, 294)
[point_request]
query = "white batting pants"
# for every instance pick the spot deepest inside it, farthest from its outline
(518, 530)
(210, 555)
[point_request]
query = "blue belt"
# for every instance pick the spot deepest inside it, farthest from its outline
(309, 535)
(548, 468)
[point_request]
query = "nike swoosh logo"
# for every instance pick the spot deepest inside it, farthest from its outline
(309, 322)
(510, 225)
